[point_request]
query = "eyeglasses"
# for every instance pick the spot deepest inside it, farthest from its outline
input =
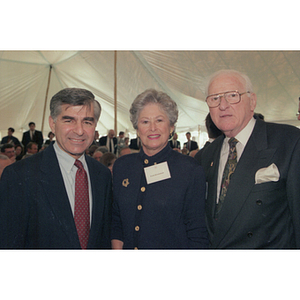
(231, 97)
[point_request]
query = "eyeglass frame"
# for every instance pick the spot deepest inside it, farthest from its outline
(222, 94)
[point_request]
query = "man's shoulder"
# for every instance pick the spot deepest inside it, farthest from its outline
(209, 149)
(279, 132)
(28, 167)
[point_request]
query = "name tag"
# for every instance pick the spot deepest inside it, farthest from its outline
(157, 172)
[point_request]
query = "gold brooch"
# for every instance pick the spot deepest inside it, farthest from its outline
(212, 163)
(125, 182)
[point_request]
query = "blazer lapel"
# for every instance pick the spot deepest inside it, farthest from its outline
(98, 192)
(56, 195)
(255, 156)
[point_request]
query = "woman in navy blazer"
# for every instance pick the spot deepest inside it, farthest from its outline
(158, 193)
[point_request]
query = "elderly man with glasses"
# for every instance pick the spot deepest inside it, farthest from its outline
(252, 171)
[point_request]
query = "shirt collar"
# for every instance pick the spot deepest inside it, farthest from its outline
(66, 160)
(244, 135)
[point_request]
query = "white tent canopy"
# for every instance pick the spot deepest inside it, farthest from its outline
(24, 77)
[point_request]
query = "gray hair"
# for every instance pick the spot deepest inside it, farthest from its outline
(248, 83)
(168, 105)
(74, 97)
(3, 157)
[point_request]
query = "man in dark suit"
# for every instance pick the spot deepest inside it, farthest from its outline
(135, 144)
(110, 141)
(39, 195)
(190, 145)
(174, 143)
(32, 135)
(260, 206)
(10, 139)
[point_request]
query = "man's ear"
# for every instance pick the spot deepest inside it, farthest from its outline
(253, 99)
(52, 124)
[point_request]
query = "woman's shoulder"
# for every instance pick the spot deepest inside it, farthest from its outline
(126, 159)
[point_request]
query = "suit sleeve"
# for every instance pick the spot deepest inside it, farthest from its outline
(117, 229)
(107, 218)
(14, 211)
(293, 191)
(195, 211)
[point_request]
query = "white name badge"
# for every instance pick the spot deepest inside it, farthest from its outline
(157, 172)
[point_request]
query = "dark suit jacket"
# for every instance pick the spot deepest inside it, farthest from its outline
(177, 144)
(34, 207)
(37, 138)
(13, 139)
(194, 145)
(103, 140)
(264, 215)
(134, 144)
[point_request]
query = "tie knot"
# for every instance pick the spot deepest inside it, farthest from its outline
(78, 164)
(232, 142)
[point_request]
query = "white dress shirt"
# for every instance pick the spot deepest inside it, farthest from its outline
(242, 137)
(68, 170)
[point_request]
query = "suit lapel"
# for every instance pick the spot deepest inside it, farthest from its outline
(256, 155)
(56, 194)
(98, 192)
(211, 169)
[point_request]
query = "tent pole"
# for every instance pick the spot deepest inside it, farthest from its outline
(45, 105)
(115, 91)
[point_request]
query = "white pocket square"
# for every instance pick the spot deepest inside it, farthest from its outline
(268, 174)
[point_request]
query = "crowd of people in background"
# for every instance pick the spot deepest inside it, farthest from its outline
(110, 145)
(239, 191)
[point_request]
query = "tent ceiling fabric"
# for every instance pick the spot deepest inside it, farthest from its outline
(181, 74)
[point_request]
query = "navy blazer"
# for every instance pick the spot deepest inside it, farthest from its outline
(169, 213)
(177, 144)
(12, 138)
(134, 144)
(103, 140)
(194, 145)
(265, 215)
(35, 210)
(38, 138)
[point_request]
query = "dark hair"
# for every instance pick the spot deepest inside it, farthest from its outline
(50, 134)
(92, 149)
(29, 145)
(22, 149)
(259, 116)
(74, 97)
(11, 129)
(6, 146)
(107, 158)
(31, 123)
(212, 130)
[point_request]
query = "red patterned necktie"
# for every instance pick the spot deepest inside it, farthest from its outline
(82, 210)
(228, 172)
